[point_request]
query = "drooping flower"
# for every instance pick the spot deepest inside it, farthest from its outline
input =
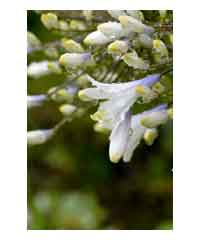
(96, 38)
(127, 134)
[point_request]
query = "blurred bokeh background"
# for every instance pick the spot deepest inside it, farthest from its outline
(73, 185)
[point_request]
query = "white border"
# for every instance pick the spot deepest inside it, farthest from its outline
(13, 120)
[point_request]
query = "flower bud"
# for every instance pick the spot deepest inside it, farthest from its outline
(116, 13)
(35, 100)
(154, 119)
(170, 113)
(73, 60)
(77, 25)
(62, 95)
(37, 137)
(63, 25)
(112, 30)
(133, 25)
(33, 42)
(133, 60)
(150, 135)
(51, 52)
(96, 38)
(160, 51)
(158, 88)
(118, 47)
(67, 109)
(146, 93)
(50, 20)
(72, 46)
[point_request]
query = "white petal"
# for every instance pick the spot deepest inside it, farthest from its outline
(119, 138)
(118, 104)
(136, 135)
(89, 94)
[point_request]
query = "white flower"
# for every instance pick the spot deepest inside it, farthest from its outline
(96, 38)
(120, 97)
(37, 137)
(35, 100)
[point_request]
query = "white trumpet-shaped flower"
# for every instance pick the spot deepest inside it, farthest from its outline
(119, 97)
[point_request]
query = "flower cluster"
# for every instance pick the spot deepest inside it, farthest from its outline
(108, 50)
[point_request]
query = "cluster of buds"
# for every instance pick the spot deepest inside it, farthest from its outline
(126, 39)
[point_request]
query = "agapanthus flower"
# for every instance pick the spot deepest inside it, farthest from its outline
(119, 97)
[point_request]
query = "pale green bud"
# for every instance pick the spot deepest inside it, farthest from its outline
(133, 60)
(72, 46)
(146, 93)
(150, 135)
(118, 47)
(37, 137)
(62, 95)
(54, 67)
(83, 80)
(77, 25)
(73, 60)
(50, 20)
(133, 25)
(51, 52)
(154, 119)
(158, 87)
(160, 51)
(170, 113)
(67, 109)
(63, 25)
(33, 42)
(88, 14)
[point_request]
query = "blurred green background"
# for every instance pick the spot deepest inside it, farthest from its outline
(73, 185)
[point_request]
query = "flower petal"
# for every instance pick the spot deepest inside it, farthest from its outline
(119, 138)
